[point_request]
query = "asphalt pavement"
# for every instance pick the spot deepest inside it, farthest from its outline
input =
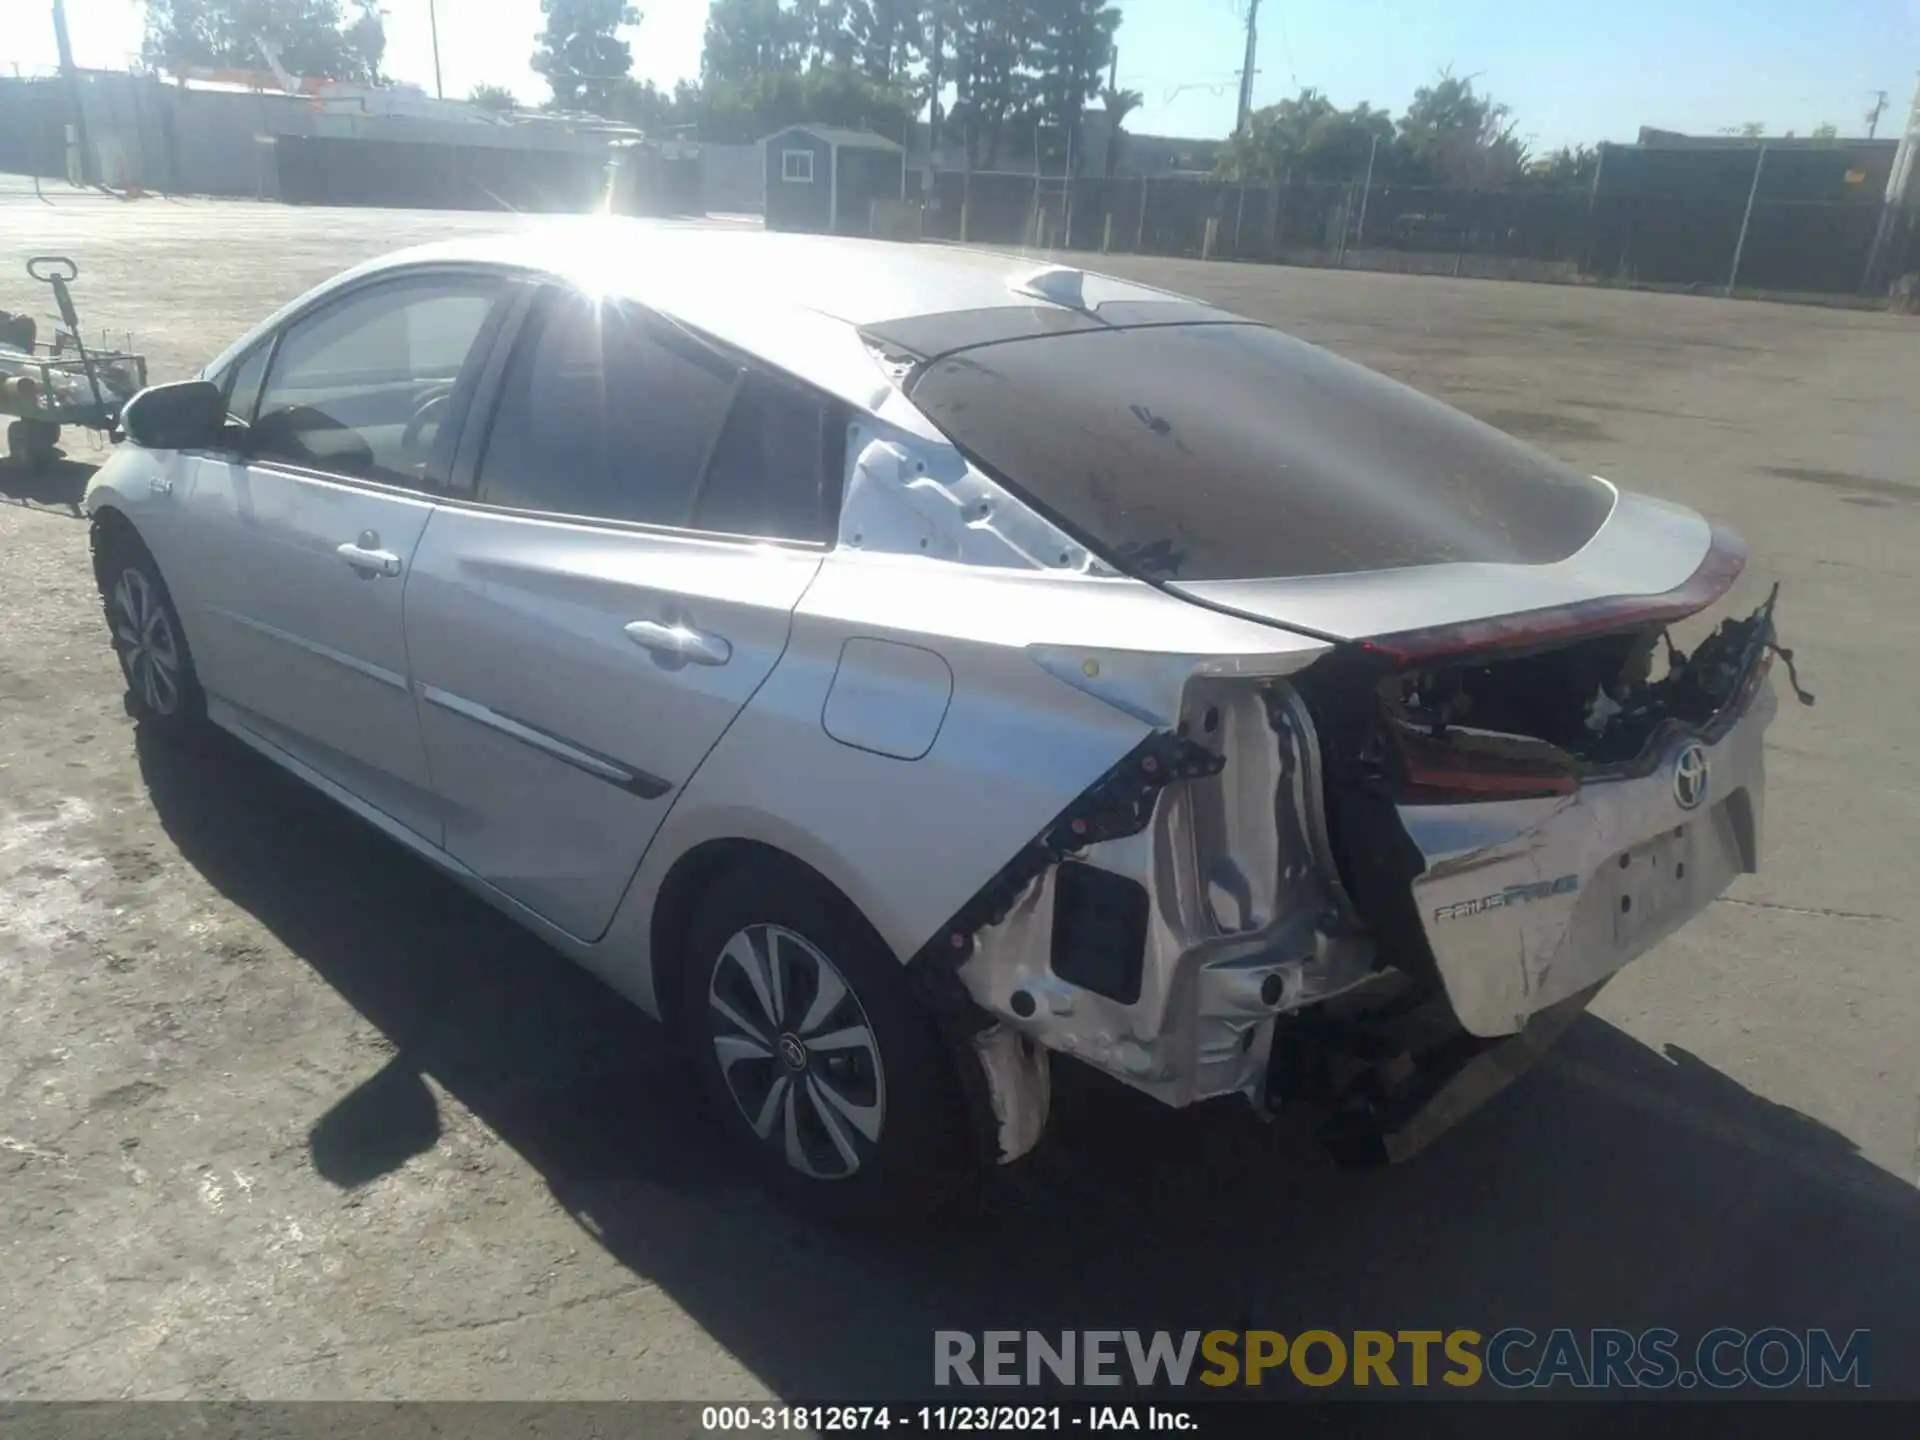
(284, 1114)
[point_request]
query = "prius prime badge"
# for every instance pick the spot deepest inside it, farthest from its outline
(1690, 775)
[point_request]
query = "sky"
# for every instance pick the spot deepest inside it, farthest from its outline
(1569, 73)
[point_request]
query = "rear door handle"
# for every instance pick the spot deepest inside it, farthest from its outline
(682, 641)
(369, 561)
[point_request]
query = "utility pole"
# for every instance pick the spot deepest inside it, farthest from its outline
(1246, 70)
(1366, 192)
(71, 75)
(1753, 193)
(433, 24)
(1898, 207)
(1873, 115)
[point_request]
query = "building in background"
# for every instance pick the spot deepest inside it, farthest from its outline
(1799, 212)
(828, 181)
(1832, 170)
(273, 136)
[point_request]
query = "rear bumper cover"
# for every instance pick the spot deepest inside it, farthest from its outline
(1528, 903)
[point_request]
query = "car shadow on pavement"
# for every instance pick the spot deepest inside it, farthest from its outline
(57, 487)
(1616, 1186)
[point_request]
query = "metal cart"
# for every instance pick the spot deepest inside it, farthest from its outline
(45, 386)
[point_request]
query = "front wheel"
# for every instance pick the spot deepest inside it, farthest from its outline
(816, 1058)
(162, 689)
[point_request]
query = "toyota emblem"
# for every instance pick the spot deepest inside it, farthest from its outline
(1690, 776)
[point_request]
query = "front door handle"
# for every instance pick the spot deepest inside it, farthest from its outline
(681, 641)
(369, 560)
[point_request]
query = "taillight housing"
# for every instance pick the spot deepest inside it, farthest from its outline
(1726, 557)
(1466, 766)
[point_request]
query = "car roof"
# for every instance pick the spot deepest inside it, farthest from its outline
(859, 282)
(813, 306)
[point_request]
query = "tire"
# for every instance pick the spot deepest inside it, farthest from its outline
(868, 1127)
(33, 444)
(163, 692)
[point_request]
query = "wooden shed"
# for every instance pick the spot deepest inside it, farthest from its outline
(824, 180)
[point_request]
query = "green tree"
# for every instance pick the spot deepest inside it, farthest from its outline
(1310, 137)
(746, 39)
(1454, 136)
(581, 53)
(655, 111)
(1118, 104)
(1570, 166)
(493, 97)
(1073, 45)
(1826, 130)
(366, 41)
(742, 111)
(1011, 64)
(993, 91)
(825, 32)
(938, 20)
(319, 39)
(887, 37)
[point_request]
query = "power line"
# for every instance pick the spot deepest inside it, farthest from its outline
(1223, 77)
(1212, 87)
(1286, 49)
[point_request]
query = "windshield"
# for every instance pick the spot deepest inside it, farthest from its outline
(1235, 452)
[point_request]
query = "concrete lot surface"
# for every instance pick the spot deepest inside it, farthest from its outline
(283, 1114)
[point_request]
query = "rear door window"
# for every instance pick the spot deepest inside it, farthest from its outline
(775, 473)
(606, 412)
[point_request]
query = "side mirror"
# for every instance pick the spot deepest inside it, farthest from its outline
(187, 415)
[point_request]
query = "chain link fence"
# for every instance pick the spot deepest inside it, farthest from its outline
(1787, 217)
(1659, 238)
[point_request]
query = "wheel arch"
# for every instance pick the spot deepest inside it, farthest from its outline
(112, 517)
(108, 525)
(691, 876)
(106, 518)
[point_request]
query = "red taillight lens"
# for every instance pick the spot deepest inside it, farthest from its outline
(1726, 557)
(1463, 766)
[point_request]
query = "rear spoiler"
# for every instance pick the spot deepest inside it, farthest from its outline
(1528, 630)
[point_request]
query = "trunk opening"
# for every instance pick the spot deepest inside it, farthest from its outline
(1506, 725)
(1544, 722)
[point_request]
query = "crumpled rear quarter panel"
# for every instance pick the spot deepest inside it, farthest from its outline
(907, 840)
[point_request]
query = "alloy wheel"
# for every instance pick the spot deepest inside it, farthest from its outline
(143, 635)
(797, 1052)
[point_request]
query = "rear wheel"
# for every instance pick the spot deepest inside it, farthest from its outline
(817, 1060)
(162, 689)
(33, 444)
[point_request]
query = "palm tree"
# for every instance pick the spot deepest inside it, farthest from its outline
(1119, 104)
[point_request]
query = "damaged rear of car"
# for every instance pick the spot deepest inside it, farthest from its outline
(1386, 880)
